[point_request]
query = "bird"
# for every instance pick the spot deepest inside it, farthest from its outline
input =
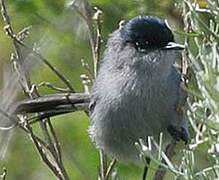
(137, 92)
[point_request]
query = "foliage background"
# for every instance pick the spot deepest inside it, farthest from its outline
(62, 37)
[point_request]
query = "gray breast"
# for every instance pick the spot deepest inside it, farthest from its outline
(127, 109)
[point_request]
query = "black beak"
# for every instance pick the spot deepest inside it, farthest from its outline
(173, 46)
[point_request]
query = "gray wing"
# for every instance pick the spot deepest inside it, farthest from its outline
(180, 132)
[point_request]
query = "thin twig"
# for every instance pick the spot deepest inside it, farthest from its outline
(56, 167)
(15, 120)
(192, 9)
(187, 29)
(58, 150)
(98, 21)
(88, 69)
(9, 31)
(16, 41)
(110, 168)
(44, 156)
(146, 168)
(49, 85)
(103, 165)
(95, 44)
(160, 173)
(94, 35)
(4, 174)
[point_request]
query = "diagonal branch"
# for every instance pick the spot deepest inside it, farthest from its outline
(50, 153)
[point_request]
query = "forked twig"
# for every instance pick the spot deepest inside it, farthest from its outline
(95, 44)
(110, 168)
(17, 42)
(51, 151)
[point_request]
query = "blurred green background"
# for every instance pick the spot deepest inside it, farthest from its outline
(62, 38)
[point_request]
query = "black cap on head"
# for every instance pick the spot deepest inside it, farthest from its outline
(147, 32)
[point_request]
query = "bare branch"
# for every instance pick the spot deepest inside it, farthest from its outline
(71, 101)
(45, 157)
(17, 42)
(51, 153)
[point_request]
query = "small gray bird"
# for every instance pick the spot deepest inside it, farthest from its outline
(137, 91)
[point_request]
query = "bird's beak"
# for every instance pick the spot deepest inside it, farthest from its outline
(174, 46)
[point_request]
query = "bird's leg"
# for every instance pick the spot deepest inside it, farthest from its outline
(146, 168)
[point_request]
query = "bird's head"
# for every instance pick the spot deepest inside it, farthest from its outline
(152, 44)
(147, 33)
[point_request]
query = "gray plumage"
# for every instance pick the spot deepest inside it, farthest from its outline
(135, 95)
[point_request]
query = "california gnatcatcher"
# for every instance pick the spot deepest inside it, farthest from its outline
(137, 92)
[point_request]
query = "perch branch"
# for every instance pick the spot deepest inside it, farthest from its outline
(57, 102)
